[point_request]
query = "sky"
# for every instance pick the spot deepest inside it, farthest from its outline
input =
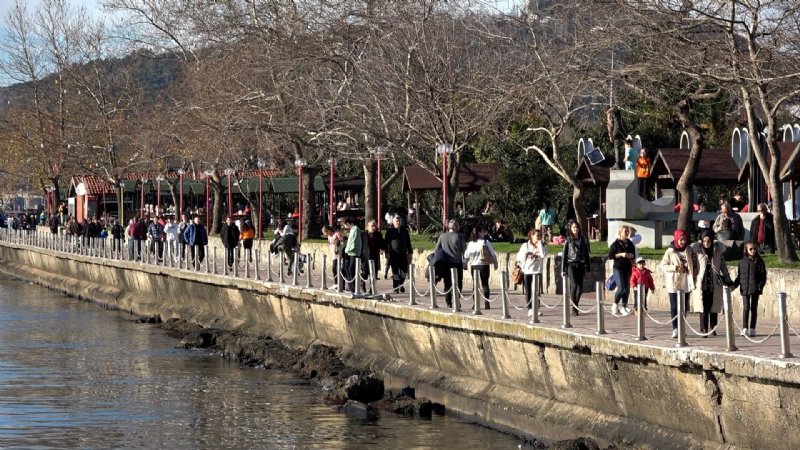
(91, 5)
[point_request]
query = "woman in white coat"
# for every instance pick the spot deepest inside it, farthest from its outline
(529, 259)
(480, 255)
(679, 273)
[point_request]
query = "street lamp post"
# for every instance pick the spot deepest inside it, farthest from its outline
(380, 152)
(444, 150)
(300, 163)
(261, 164)
(159, 179)
(141, 213)
(121, 202)
(180, 194)
(332, 163)
(229, 173)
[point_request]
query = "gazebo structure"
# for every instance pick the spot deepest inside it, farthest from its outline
(471, 177)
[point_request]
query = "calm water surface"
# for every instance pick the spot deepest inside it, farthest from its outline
(75, 375)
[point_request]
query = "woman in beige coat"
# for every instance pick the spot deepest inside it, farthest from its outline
(679, 273)
(711, 270)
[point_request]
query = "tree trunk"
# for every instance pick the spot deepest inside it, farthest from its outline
(216, 217)
(311, 226)
(453, 164)
(370, 193)
(685, 185)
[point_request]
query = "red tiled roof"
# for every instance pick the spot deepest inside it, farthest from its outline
(716, 166)
(95, 185)
(471, 177)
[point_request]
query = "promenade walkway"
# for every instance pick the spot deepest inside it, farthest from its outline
(766, 344)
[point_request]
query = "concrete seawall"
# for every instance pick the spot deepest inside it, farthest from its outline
(544, 382)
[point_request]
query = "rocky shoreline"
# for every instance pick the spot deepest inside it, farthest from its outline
(353, 391)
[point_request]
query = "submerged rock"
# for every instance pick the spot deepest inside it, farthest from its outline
(576, 444)
(360, 410)
(364, 389)
(199, 339)
(154, 319)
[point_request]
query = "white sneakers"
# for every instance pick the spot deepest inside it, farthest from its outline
(674, 334)
(625, 311)
(615, 309)
(530, 313)
(618, 310)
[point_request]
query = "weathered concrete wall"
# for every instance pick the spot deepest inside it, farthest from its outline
(549, 383)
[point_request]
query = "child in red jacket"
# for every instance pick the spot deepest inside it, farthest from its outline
(641, 275)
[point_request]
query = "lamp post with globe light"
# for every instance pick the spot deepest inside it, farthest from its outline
(444, 150)
(229, 173)
(300, 163)
(159, 179)
(208, 174)
(141, 213)
(261, 164)
(331, 202)
(180, 193)
(380, 153)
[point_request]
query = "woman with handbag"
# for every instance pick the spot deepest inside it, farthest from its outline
(711, 273)
(480, 255)
(529, 260)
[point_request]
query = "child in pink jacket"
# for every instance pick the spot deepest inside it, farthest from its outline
(641, 275)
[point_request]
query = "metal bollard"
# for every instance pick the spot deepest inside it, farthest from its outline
(432, 286)
(454, 292)
(269, 266)
(357, 276)
(535, 298)
(504, 297)
(208, 270)
(681, 325)
(255, 267)
(235, 263)
(476, 304)
(601, 318)
(196, 261)
(246, 264)
(730, 331)
(280, 271)
(308, 272)
(412, 294)
(294, 269)
(225, 264)
(784, 325)
(339, 276)
(566, 302)
(323, 278)
(640, 331)
(372, 277)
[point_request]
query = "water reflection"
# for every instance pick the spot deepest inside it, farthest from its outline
(75, 375)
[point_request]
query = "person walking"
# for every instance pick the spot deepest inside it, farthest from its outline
(247, 233)
(196, 238)
(751, 279)
(711, 273)
(335, 246)
(642, 275)
(375, 245)
(679, 272)
(622, 252)
(546, 219)
(762, 230)
(229, 235)
(529, 259)
(575, 263)
(171, 232)
(398, 252)
(156, 232)
(449, 254)
(116, 238)
(352, 252)
(480, 255)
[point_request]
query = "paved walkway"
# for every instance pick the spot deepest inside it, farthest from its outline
(766, 343)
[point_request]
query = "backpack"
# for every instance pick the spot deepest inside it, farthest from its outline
(486, 254)
(611, 283)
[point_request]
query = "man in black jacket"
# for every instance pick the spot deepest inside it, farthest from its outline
(762, 230)
(229, 234)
